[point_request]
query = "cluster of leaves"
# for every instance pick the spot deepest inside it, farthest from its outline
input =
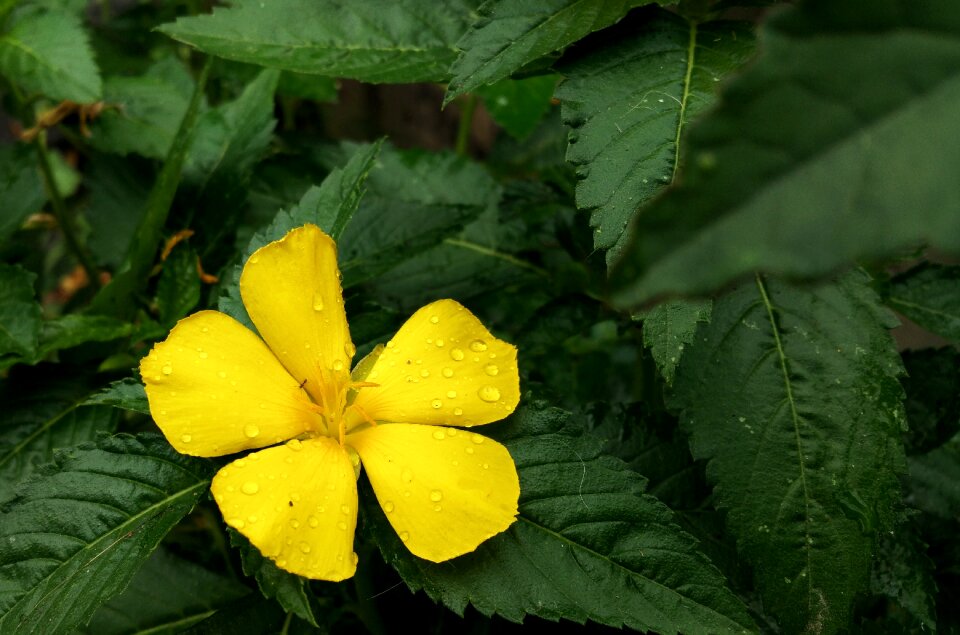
(696, 223)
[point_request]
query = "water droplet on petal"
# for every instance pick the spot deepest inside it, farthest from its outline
(453, 431)
(436, 404)
(477, 439)
(295, 445)
(388, 507)
(236, 522)
(295, 523)
(439, 435)
(434, 319)
(478, 346)
(222, 374)
(341, 525)
(489, 393)
(451, 394)
(437, 508)
(250, 487)
(345, 509)
(338, 365)
(167, 369)
(468, 450)
(251, 431)
(457, 412)
(186, 438)
(456, 354)
(492, 370)
(312, 521)
(436, 495)
(439, 343)
(254, 259)
(424, 373)
(317, 302)
(304, 547)
(405, 536)
(447, 372)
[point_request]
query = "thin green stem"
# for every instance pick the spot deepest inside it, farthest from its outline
(469, 105)
(286, 624)
(63, 218)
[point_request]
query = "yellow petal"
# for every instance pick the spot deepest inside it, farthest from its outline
(443, 367)
(444, 490)
(291, 289)
(297, 504)
(214, 388)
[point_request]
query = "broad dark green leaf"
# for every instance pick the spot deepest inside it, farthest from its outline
(79, 531)
(329, 206)
(519, 105)
(48, 53)
(397, 42)
(930, 296)
(903, 572)
(167, 595)
(290, 590)
(74, 329)
(126, 394)
(178, 289)
(19, 315)
(935, 480)
(846, 120)
(21, 192)
(588, 544)
(669, 327)
(933, 401)
(143, 112)
(792, 395)
(248, 616)
(628, 96)
(508, 34)
(118, 193)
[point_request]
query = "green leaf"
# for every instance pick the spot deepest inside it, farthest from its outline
(48, 53)
(178, 289)
(74, 329)
(126, 394)
(669, 327)
(933, 401)
(935, 480)
(846, 120)
(903, 572)
(397, 42)
(519, 105)
(290, 590)
(508, 34)
(329, 206)
(77, 533)
(167, 595)
(21, 192)
(143, 112)
(414, 200)
(792, 395)
(930, 296)
(304, 86)
(19, 314)
(627, 98)
(249, 616)
(588, 544)
(118, 193)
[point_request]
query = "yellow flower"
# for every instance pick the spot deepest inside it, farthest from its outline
(215, 388)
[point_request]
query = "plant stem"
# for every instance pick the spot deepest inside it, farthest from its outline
(466, 124)
(63, 218)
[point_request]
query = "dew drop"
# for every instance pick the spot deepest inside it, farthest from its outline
(457, 412)
(186, 438)
(251, 431)
(350, 350)
(167, 369)
(437, 508)
(312, 521)
(295, 523)
(486, 466)
(295, 445)
(436, 495)
(451, 394)
(439, 435)
(405, 536)
(478, 346)
(344, 509)
(254, 259)
(304, 547)
(390, 344)
(388, 506)
(250, 488)
(468, 450)
(489, 393)
(447, 372)
(434, 319)
(205, 329)
(424, 373)
(237, 522)
(436, 404)
(222, 374)
(477, 439)
(317, 302)
(492, 370)
(452, 431)
(439, 343)
(456, 354)
(342, 525)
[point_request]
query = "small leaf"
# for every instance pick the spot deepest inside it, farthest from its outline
(588, 544)
(508, 34)
(669, 327)
(21, 192)
(628, 96)
(930, 296)
(792, 395)
(48, 53)
(290, 590)
(178, 289)
(847, 118)
(74, 329)
(77, 533)
(126, 394)
(397, 42)
(935, 480)
(19, 315)
(519, 105)
(167, 595)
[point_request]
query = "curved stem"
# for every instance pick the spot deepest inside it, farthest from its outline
(466, 124)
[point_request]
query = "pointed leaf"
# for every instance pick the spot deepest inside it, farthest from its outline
(77, 533)
(935, 480)
(511, 33)
(74, 329)
(21, 192)
(847, 118)
(48, 53)
(396, 42)
(126, 394)
(792, 395)
(930, 296)
(629, 94)
(19, 315)
(669, 327)
(588, 544)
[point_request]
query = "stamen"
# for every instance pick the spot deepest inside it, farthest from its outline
(366, 417)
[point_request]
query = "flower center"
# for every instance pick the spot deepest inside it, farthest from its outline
(335, 407)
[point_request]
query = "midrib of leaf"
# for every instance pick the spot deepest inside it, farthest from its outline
(119, 529)
(687, 78)
(795, 418)
(326, 46)
(49, 423)
(560, 537)
(493, 253)
(33, 54)
(921, 307)
(171, 627)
